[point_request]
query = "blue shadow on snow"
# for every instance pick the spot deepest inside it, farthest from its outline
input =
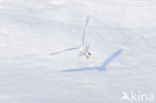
(101, 67)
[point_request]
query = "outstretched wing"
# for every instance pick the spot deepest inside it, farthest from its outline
(55, 53)
(88, 47)
(84, 32)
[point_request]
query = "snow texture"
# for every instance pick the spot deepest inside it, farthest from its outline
(121, 35)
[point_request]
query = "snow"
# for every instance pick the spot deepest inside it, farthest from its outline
(121, 34)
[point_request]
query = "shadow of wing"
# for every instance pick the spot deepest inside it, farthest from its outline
(101, 67)
(108, 60)
(80, 69)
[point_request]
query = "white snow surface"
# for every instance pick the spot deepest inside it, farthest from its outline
(122, 35)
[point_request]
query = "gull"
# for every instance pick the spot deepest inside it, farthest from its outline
(83, 48)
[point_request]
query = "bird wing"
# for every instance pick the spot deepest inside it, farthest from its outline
(87, 47)
(58, 52)
(84, 32)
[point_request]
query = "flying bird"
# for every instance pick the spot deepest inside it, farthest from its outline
(83, 48)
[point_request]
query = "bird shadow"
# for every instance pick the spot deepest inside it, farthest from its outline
(99, 68)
